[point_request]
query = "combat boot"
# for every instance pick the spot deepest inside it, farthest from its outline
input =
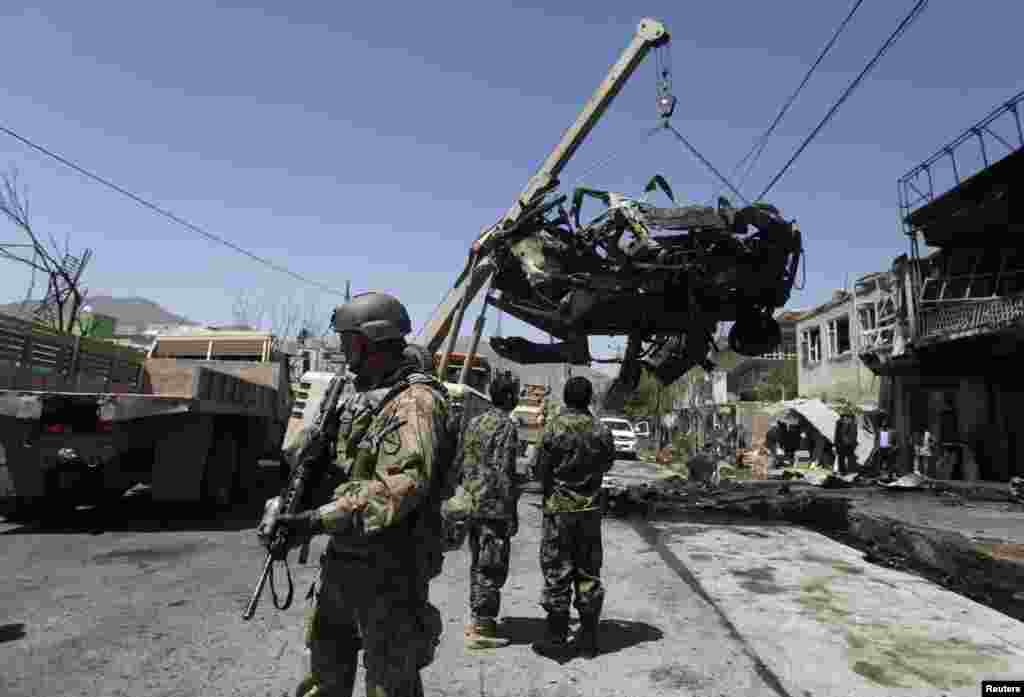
(585, 641)
(483, 634)
(556, 640)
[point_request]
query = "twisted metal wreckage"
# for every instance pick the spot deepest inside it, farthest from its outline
(661, 276)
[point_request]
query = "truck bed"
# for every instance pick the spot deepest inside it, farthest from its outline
(209, 392)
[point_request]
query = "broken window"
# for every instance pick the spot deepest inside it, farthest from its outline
(839, 336)
(812, 344)
(868, 317)
(979, 274)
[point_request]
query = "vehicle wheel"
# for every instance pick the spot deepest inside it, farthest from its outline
(755, 334)
(25, 510)
(222, 470)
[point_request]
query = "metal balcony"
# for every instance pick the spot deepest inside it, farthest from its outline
(987, 143)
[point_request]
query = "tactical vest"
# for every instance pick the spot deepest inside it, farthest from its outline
(357, 425)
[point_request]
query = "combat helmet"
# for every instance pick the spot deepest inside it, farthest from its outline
(504, 389)
(377, 316)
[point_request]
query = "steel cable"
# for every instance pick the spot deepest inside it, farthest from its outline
(705, 162)
(759, 146)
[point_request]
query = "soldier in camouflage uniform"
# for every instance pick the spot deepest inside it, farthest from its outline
(487, 464)
(575, 452)
(384, 522)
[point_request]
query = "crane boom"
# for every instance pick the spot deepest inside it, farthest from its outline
(447, 319)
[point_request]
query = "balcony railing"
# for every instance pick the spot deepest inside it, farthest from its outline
(950, 319)
(877, 338)
(997, 135)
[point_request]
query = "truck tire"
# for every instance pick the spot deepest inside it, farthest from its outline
(250, 449)
(60, 504)
(222, 470)
(22, 509)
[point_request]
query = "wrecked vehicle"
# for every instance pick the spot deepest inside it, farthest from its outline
(662, 276)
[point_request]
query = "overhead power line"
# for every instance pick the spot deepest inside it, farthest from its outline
(758, 148)
(168, 214)
(914, 13)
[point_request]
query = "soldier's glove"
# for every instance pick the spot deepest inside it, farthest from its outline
(265, 530)
(300, 527)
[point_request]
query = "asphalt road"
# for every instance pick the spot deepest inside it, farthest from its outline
(145, 602)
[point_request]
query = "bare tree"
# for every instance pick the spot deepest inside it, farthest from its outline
(315, 320)
(64, 299)
(284, 317)
(246, 310)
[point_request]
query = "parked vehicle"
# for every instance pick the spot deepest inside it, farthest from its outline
(82, 420)
(624, 435)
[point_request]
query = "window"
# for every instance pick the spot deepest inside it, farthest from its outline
(868, 317)
(839, 336)
(812, 344)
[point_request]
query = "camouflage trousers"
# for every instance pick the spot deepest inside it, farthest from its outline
(489, 547)
(571, 554)
(379, 607)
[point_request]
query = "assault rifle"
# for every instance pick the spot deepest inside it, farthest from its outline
(306, 472)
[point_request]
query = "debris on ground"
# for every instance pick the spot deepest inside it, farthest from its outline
(664, 456)
(757, 460)
(852, 508)
(912, 481)
(1017, 489)
(828, 480)
(703, 469)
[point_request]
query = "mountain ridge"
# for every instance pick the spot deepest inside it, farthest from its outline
(133, 311)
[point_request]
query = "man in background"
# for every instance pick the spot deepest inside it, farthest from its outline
(845, 440)
(486, 463)
(575, 452)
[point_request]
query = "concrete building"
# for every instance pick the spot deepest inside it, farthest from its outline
(949, 353)
(315, 353)
(830, 338)
(752, 371)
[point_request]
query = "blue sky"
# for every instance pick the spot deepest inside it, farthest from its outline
(372, 142)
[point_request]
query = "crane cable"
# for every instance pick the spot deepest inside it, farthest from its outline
(663, 66)
(600, 164)
(166, 213)
(663, 82)
(679, 136)
(916, 12)
(758, 148)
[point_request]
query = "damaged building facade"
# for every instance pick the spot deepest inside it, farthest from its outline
(832, 336)
(713, 401)
(948, 350)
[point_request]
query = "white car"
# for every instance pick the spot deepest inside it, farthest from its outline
(624, 435)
